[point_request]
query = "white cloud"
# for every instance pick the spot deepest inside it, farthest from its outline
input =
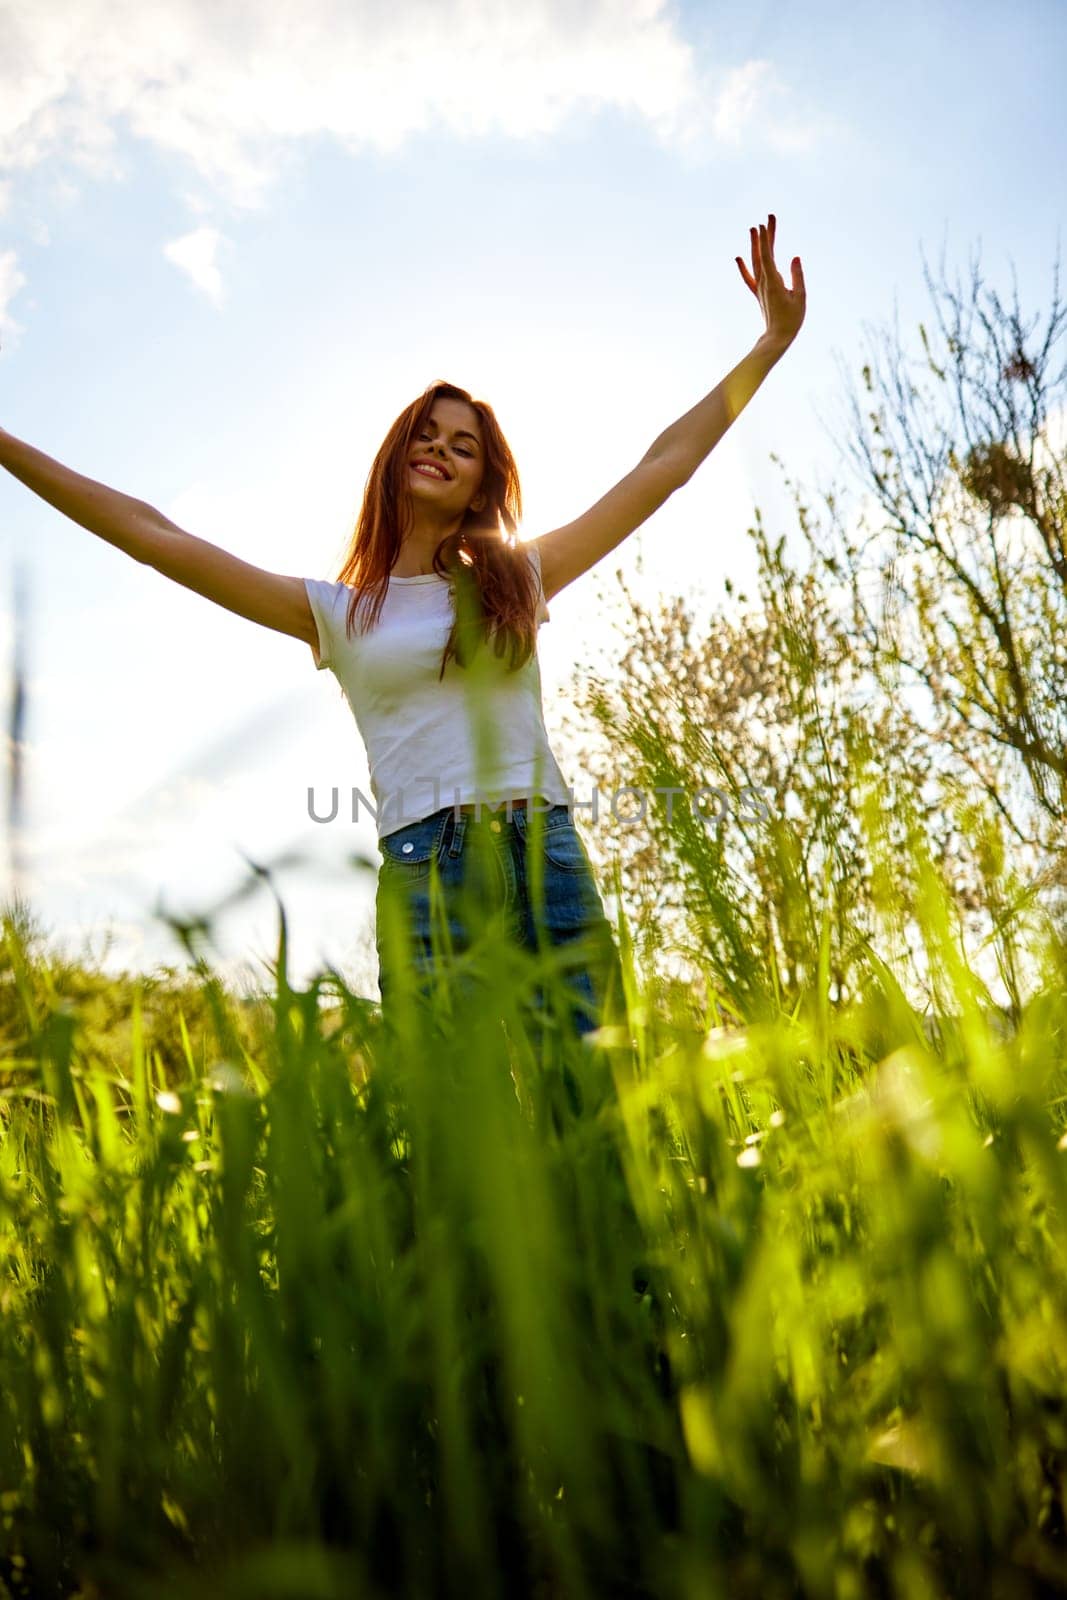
(11, 281)
(195, 254)
(739, 99)
(231, 87)
(746, 105)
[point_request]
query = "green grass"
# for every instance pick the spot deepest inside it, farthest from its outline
(294, 1308)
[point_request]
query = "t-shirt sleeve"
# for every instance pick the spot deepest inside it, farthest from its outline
(534, 554)
(328, 602)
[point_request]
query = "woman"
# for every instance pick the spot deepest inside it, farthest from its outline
(441, 670)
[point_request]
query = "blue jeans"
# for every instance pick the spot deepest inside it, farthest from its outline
(457, 883)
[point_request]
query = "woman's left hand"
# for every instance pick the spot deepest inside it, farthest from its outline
(783, 309)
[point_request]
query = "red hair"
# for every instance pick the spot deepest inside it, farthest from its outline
(484, 563)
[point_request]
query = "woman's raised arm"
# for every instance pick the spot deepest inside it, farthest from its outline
(672, 458)
(148, 536)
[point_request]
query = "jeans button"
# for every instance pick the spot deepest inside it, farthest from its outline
(406, 848)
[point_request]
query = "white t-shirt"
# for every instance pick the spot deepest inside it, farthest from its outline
(421, 732)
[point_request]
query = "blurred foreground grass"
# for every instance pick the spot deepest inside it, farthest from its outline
(289, 1310)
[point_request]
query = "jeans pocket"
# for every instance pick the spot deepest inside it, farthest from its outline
(407, 852)
(562, 843)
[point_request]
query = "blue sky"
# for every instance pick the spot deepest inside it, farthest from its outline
(235, 241)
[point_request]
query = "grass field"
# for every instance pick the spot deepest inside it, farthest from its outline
(292, 1308)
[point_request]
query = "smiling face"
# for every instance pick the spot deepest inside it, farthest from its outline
(452, 441)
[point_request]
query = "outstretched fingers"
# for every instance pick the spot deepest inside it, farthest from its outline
(766, 242)
(751, 278)
(761, 240)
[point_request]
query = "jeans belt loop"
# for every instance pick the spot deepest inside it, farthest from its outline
(459, 828)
